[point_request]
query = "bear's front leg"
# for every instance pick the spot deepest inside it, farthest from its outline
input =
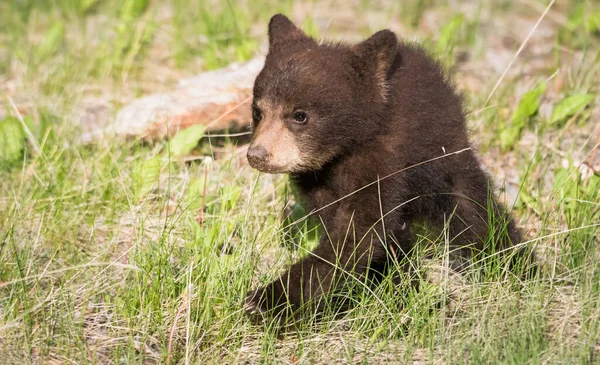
(332, 263)
(305, 280)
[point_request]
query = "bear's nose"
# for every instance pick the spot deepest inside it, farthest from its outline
(257, 155)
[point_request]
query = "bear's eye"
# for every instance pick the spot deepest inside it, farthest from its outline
(256, 114)
(300, 117)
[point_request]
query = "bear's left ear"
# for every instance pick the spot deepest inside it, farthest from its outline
(376, 55)
(282, 30)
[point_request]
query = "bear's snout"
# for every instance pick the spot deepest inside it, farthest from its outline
(257, 156)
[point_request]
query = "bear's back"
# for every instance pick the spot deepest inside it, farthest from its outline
(424, 104)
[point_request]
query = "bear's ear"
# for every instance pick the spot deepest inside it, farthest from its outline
(376, 55)
(282, 30)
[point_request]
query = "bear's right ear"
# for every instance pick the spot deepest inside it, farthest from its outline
(282, 30)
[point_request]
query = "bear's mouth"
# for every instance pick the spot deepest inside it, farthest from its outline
(268, 168)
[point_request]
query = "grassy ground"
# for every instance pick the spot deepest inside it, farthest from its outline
(118, 252)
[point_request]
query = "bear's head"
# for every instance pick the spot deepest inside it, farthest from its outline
(314, 102)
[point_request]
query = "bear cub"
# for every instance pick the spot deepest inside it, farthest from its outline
(373, 136)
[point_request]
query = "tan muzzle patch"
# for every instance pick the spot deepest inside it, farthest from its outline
(274, 147)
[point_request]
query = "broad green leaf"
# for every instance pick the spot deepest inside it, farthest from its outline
(448, 32)
(52, 40)
(194, 194)
(528, 106)
(145, 176)
(569, 106)
(184, 142)
(509, 136)
(12, 141)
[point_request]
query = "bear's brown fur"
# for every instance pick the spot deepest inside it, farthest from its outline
(374, 137)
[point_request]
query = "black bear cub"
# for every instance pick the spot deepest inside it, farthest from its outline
(373, 135)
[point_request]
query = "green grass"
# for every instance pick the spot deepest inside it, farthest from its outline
(122, 252)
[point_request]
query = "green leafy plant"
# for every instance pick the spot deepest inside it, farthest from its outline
(52, 41)
(448, 34)
(570, 106)
(576, 197)
(195, 193)
(12, 141)
(185, 140)
(527, 107)
(145, 174)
